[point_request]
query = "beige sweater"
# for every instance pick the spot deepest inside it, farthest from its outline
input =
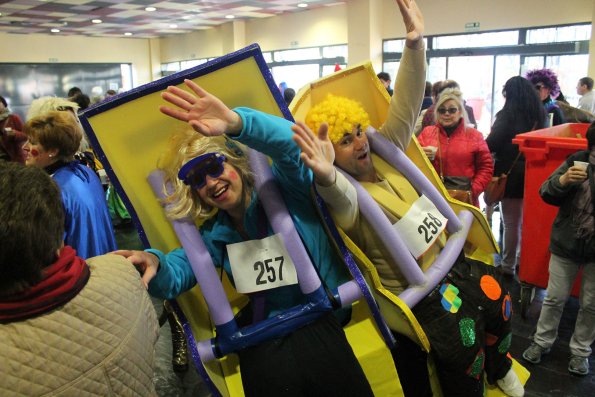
(101, 343)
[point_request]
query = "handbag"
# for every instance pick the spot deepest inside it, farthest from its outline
(458, 187)
(494, 191)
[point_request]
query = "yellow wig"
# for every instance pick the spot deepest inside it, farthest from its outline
(340, 113)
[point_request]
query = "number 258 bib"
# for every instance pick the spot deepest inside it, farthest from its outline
(421, 226)
(258, 265)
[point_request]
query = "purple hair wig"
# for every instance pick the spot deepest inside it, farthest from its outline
(547, 77)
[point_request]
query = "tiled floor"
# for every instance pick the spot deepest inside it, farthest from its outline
(548, 379)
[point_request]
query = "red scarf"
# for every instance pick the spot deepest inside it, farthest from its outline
(62, 281)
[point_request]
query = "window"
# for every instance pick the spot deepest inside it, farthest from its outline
(493, 39)
(559, 34)
(482, 62)
(297, 54)
(189, 64)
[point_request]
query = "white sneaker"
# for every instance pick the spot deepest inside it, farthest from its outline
(511, 385)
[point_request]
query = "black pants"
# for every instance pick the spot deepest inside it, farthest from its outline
(467, 321)
(315, 360)
(412, 366)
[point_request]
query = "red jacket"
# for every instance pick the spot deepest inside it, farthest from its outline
(464, 153)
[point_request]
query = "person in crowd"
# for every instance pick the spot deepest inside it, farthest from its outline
(14, 122)
(427, 117)
(546, 84)
(427, 102)
(585, 89)
(53, 140)
(213, 184)
(11, 140)
(385, 80)
(82, 100)
(288, 95)
(457, 150)
(46, 104)
(110, 93)
(73, 92)
(342, 141)
(522, 112)
(571, 187)
(69, 326)
(573, 114)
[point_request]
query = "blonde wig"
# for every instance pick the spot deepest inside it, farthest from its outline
(183, 200)
(340, 113)
(46, 104)
(453, 94)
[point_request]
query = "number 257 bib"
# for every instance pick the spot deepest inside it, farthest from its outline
(258, 265)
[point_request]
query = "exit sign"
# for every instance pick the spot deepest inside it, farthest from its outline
(471, 26)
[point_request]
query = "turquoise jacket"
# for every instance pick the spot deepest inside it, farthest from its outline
(272, 136)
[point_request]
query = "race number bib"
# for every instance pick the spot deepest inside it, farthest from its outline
(421, 226)
(258, 265)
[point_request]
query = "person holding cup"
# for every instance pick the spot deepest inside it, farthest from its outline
(457, 151)
(572, 245)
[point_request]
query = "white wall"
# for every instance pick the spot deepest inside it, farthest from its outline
(41, 48)
(450, 16)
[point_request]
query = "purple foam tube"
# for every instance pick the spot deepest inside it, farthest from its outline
(395, 156)
(200, 260)
(387, 234)
(281, 223)
(442, 264)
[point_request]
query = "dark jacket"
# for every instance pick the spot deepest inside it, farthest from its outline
(504, 152)
(562, 240)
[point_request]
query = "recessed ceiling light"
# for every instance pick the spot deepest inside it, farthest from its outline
(127, 34)
(96, 20)
(302, 5)
(230, 16)
(186, 17)
(55, 30)
(150, 9)
(173, 26)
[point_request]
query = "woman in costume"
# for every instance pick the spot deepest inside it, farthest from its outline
(213, 185)
(54, 138)
(458, 152)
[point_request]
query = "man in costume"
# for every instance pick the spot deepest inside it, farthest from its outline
(471, 333)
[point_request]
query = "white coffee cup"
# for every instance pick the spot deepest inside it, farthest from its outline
(430, 151)
(581, 164)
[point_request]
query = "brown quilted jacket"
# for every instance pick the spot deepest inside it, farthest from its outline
(101, 343)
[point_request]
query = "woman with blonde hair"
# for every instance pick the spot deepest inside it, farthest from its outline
(213, 186)
(53, 140)
(457, 151)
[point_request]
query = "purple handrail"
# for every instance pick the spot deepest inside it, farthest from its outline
(281, 222)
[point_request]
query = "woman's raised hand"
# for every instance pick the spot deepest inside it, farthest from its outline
(317, 152)
(204, 112)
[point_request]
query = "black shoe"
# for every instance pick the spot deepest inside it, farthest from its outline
(179, 359)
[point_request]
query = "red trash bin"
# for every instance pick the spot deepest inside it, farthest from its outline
(544, 151)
